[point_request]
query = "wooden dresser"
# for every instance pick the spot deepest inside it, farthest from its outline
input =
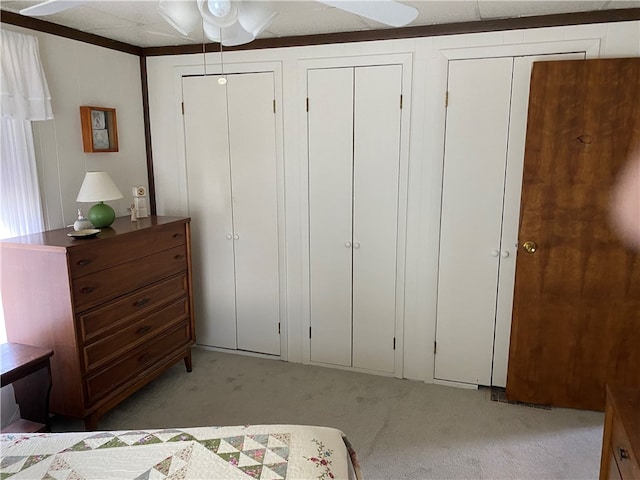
(117, 309)
(621, 441)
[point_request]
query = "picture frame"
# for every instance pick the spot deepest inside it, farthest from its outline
(99, 129)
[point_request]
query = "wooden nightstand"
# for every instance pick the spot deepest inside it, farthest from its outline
(27, 368)
(621, 441)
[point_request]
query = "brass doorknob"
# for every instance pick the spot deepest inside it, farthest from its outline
(530, 247)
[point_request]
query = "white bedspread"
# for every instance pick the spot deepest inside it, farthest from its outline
(253, 451)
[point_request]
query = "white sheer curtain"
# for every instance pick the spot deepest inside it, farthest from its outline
(25, 97)
(20, 204)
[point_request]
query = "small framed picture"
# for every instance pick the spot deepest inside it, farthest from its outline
(99, 129)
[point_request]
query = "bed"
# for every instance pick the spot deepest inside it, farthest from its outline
(252, 451)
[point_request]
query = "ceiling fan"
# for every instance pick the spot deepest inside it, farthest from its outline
(236, 22)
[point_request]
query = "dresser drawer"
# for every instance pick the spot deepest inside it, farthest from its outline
(613, 473)
(113, 346)
(120, 313)
(94, 288)
(98, 255)
(137, 363)
(622, 451)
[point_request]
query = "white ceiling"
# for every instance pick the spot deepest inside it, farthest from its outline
(138, 22)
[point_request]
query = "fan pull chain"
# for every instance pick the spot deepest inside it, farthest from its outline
(222, 80)
(204, 51)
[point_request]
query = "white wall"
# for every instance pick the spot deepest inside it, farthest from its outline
(425, 162)
(82, 74)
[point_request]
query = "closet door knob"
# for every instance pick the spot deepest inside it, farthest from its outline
(495, 253)
(356, 244)
(236, 236)
(504, 254)
(347, 244)
(229, 236)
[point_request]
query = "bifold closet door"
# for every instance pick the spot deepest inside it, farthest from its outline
(375, 214)
(475, 157)
(252, 137)
(232, 190)
(354, 152)
(330, 137)
(209, 186)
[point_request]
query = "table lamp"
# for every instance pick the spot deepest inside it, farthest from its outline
(98, 187)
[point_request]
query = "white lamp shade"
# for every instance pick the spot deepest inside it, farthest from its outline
(98, 187)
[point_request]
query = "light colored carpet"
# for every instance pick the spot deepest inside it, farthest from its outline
(400, 429)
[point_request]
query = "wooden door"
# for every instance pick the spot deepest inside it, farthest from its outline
(252, 140)
(576, 315)
(209, 196)
(330, 136)
(376, 161)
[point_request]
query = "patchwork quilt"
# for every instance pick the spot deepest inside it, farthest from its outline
(244, 452)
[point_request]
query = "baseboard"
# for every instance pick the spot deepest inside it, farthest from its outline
(448, 383)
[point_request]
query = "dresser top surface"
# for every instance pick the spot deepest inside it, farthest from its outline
(59, 238)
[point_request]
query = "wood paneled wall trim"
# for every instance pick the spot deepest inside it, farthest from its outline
(581, 18)
(61, 31)
(564, 19)
(147, 134)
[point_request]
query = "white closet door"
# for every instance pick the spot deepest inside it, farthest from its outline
(375, 214)
(474, 168)
(208, 178)
(252, 137)
(330, 138)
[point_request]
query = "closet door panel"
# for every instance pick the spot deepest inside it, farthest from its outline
(474, 167)
(208, 179)
(330, 137)
(375, 214)
(252, 138)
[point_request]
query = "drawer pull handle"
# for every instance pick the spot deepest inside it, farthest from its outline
(144, 329)
(87, 289)
(83, 262)
(141, 302)
(177, 235)
(178, 257)
(623, 454)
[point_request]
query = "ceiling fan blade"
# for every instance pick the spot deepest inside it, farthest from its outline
(183, 16)
(388, 12)
(50, 7)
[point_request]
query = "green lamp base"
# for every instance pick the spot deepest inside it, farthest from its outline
(101, 215)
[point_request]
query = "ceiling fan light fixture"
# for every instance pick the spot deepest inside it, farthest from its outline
(212, 32)
(228, 36)
(255, 16)
(183, 16)
(225, 21)
(220, 8)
